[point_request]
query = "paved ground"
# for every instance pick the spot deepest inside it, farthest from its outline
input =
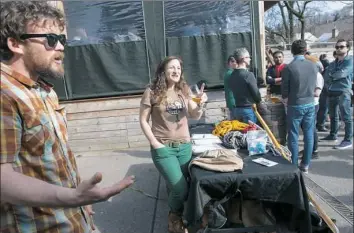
(135, 212)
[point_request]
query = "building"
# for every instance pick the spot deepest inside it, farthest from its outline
(114, 48)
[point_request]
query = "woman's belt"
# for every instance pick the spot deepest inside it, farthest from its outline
(175, 143)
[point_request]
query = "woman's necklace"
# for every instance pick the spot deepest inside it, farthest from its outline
(175, 104)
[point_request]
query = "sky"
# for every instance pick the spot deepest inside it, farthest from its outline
(335, 5)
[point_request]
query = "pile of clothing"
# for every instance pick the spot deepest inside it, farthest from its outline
(212, 155)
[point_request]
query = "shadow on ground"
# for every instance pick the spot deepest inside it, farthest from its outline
(131, 211)
(139, 153)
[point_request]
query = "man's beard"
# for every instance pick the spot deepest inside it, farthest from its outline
(48, 73)
(41, 68)
(340, 53)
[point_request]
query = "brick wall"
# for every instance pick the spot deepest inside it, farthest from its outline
(102, 126)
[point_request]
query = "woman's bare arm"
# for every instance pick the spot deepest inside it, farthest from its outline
(144, 117)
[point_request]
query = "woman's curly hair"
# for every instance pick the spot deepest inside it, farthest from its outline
(15, 17)
(159, 84)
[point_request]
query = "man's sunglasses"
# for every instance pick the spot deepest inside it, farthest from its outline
(52, 39)
(340, 47)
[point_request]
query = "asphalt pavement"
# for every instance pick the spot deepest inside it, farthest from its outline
(143, 208)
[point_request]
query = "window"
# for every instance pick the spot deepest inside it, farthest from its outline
(197, 18)
(96, 22)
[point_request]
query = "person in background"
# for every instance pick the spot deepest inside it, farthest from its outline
(243, 85)
(324, 60)
(318, 63)
(268, 61)
(317, 93)
(273, 76)
(298, 85)
(339, 77)
(167, 101)
(229, 96)
(323, 102)
(41, 189)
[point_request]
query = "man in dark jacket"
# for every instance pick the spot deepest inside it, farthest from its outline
(273, 76)
(323, 107)
(338, 78)
(298, 86)
(229, 96)
(243, 85)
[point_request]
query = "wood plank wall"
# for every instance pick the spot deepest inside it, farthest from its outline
(102, 126)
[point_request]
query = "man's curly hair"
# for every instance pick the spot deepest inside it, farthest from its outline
(15, 17)
(159, 84)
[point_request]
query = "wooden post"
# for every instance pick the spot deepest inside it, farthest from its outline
(262, 37)
(259, 55)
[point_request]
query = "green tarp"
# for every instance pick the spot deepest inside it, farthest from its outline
(204, 57)
(107, 69)
(113, 69)
(114, 47)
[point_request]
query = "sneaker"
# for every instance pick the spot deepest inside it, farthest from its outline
(304, 169)
(329, 138)
(344, 145)
(315, 155)
(301, 154)
(175, 224)
(322, 129)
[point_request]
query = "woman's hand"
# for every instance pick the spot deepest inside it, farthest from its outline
(203, 97)
(157, 145)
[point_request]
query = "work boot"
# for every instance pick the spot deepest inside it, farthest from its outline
(175, 224)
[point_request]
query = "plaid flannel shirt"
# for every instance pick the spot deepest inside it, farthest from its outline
(34, 140)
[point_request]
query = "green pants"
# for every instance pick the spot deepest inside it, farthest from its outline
(172, 163)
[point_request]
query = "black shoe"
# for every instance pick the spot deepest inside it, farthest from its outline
(322, 129)
(329, 138)
(304, 169)
(301, 154)
(315, 155)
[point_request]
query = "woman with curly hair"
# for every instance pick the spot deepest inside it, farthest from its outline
(168, 102)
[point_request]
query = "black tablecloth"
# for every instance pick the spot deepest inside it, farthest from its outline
(282, 183)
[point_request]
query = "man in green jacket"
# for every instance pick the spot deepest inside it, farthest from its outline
(229, 97)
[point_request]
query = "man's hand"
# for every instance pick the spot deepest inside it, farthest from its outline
(88, 192)
(278, 81)
(285, 102)
(14, 190)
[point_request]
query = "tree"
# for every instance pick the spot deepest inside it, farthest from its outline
(300, 14)
(285, 29)
(287, 17)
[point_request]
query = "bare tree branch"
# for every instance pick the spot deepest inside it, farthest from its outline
(291, 10)
(304, 7)
(275, 33)
(285, 23)
(299, 14)
(298, 6)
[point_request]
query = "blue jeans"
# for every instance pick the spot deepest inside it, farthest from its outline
(301, 115)
(244, 114)
(343, 103)
(323, 110)
(232, 114)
